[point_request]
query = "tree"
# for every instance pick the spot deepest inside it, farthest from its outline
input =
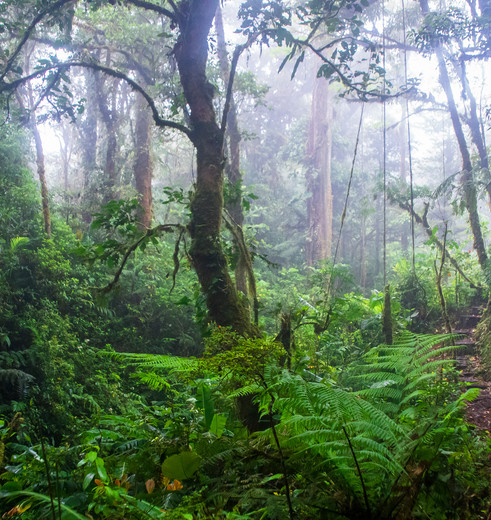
(319, 151)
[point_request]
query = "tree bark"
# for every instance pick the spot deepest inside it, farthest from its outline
(41, 170)
(143, 168)
(319, 150)
(109, 118)
(42, 178)
(191, 52)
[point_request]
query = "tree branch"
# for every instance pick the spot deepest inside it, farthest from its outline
(423, 220)
(168, 228)
(159, 121)
(233, 68)
(153, 7)
(345, 78)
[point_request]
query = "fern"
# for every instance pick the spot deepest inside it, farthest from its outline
(363, 440)
(242, 391)
(396, 373)
(153, 380)
(339, 433)
(158, 361)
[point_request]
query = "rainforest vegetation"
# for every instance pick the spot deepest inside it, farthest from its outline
(243, 252)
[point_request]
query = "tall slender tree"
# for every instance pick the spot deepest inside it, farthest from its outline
(319, 153)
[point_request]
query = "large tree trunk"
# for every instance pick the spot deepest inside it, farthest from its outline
(191, 50)
(470, 195)
(234, 205)
(143, 168)
(319, 149)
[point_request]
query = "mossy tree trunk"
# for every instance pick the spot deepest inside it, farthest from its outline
(191, 52)
(109, 113)
(40, 163)
(89, 130)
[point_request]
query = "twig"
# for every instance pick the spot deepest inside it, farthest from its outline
(282, 458)
(48, 476)
(358, 469)
(150, 232)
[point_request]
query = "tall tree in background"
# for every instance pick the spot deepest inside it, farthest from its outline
(319, 152)
(107, 100)
(89, 128)
(143, 167)
(28, 106)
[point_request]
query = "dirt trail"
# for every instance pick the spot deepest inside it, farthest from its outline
(469, 362)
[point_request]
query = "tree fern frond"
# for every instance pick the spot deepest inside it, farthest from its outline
(430, 366)
(251, 389)
(439, 352)
(384, 392)
(157, 361)
(153, 380)
(380, 377)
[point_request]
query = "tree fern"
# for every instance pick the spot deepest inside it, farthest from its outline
(393, 375)
(338, 433)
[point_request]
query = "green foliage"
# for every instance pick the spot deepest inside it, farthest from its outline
(452, 24)
(364, 443)
(243, 359)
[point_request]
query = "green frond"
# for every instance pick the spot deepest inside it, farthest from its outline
(385, 392)
(440, 352)
(251, 389)
(430, 366)
(153, 380)
(158, 361)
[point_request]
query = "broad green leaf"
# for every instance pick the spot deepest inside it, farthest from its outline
(87, 480)
(101, 470)
(218, 425)
(207, 402)
(181, 466)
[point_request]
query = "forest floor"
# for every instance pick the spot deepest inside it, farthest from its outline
(469, 363)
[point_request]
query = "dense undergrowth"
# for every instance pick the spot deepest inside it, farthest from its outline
(129, 405)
